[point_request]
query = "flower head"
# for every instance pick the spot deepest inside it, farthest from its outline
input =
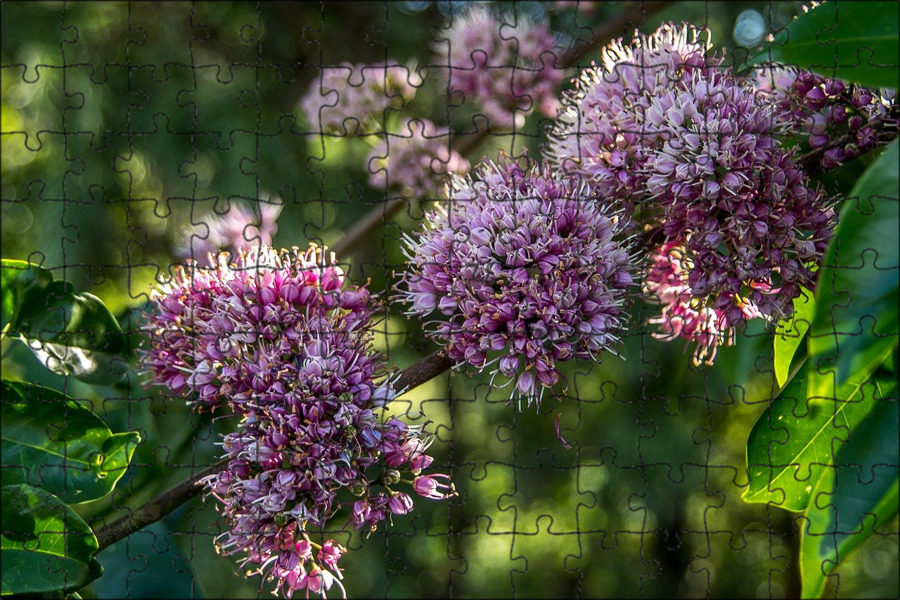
(666, 127)
(417, 164)
(523, 270)
(601, 133)
(350, 99)
(279, 340)
(507, 68)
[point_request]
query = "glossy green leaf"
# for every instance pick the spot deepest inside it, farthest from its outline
(854, 497)
(856, 324)
(19, 280)
(790, 333)
(793, 439)
(71, 334)
(854, 41)
(51, 441)
(45, 545)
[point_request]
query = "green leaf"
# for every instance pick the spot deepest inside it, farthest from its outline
(854, 41)
(856, 323)
(71, 334)
(790, 333)
(859, 493)
(51, 441)
(18, 281)
(794, 439)
(45, 545)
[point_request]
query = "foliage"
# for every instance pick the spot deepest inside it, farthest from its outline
(827, 447)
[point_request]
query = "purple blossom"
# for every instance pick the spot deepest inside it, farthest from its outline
(350, 98)
(664, 126)
(828, 111)
(417, 164)
(523, 271)
(601, 132)
(277, 339)
(238, 228)
(430, 486)
(508, 68)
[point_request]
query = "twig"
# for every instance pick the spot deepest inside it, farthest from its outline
(156, 509)
(634, 14)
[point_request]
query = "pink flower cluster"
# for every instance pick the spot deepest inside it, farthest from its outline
(349, 99)
(845, 119)
(669, 129)
(417, 161)
(524, 271)
(276, 339)
(508, 68)
(239, 228)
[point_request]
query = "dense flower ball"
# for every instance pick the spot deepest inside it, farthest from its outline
(755, 226)
(277, 339)
(844, 118)
(601, 132)
(508, 68)
(350, 99)
(415, 162)
(239, 228)
(667, 127)
(523, 265)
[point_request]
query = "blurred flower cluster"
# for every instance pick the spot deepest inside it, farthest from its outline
(413, 162)
(508, 68)
(238, 228)
(665, 127)
(353, 99)
(524, 269)
(278, 340)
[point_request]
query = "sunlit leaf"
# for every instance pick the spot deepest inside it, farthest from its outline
(45, 545)
(19, 280)
(856, 496)
(71, 334)
(854, 41)
(856, 325)
(52, 441)
(790, 333)
(793, 439)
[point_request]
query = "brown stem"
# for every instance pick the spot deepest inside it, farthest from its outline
(154, 510)
(635, 14)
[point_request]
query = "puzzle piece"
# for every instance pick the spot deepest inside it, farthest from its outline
(134, 138)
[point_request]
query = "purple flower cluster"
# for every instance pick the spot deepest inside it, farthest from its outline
(829, 113)
(522, 265)
(350, 99)
(507, 68)
(669, 129)
(279, 341)
(601, 133)
(237, 229)
(416, 164)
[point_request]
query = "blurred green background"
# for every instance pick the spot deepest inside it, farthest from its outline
(123, 123)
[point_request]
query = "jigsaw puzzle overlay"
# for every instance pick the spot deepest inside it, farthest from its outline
(586, 330)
